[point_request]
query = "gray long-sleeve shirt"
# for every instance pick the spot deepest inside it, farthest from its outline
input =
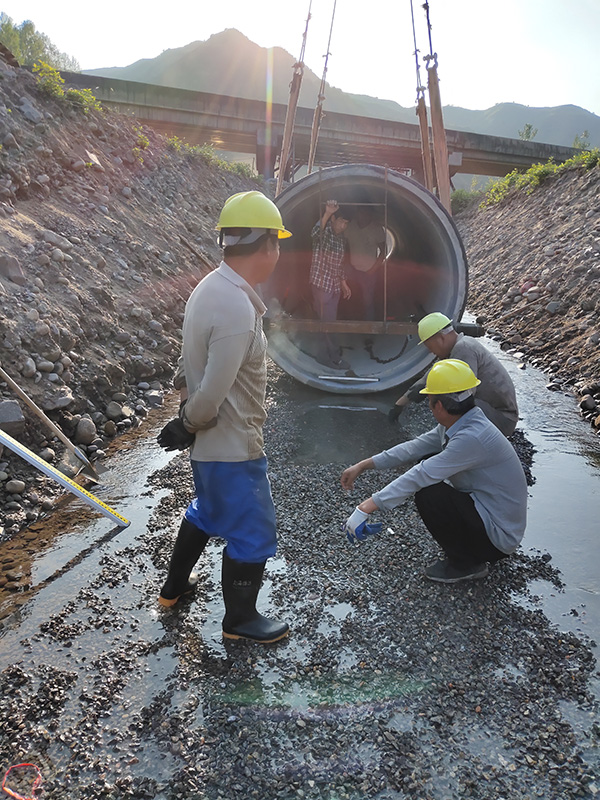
(496, 388)
(223, 365)
(478, 460)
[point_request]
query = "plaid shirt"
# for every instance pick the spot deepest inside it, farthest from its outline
(326, 271)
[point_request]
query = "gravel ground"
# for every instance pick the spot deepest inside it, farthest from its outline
(388, 686)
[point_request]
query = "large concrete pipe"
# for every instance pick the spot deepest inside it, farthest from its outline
(426, 270)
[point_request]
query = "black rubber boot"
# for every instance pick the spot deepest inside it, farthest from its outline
(241, 584)
(189, 545)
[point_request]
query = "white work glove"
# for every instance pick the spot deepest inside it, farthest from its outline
(356, 528)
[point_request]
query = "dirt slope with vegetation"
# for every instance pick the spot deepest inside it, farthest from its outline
(534, 269)
(105, 228)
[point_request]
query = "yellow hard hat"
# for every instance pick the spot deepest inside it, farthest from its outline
(432, 324)
(252, 210)
(449, 376)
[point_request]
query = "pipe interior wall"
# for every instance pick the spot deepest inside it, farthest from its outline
(426, 271)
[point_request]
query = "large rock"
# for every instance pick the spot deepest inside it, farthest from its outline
(11, 269)
(12, 420)
(114, 411)
(86, 431)
(28, 369)
(63, 399)
(57, 240)
(29, 111)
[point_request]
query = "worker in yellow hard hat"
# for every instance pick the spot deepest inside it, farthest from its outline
(495, 394)
(222, 379)
(471, 493)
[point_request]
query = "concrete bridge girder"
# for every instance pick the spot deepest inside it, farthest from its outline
(240, 125)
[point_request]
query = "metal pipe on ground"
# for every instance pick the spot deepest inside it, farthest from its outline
(426, 270)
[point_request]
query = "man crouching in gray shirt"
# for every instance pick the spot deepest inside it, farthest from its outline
(471, 493)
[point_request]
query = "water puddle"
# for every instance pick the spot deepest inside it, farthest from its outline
(318, 691)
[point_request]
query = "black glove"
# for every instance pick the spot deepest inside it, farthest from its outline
(394, 413)
(175, 437)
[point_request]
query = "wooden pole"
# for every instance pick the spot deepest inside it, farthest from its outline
(314, 134)
(290, 116)
(440, 147)
(425, 143)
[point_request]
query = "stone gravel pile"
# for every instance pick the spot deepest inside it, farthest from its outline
(388, 686)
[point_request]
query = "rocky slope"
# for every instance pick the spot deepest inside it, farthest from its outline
(534, 269)
(104, 230)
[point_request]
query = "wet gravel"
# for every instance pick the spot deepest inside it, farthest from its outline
(388, 687)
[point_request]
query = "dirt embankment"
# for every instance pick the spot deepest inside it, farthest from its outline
(104, 230)
(534, 264)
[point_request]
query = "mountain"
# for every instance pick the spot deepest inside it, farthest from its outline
(229, 63)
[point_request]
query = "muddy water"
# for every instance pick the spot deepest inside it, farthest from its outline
(564, 505)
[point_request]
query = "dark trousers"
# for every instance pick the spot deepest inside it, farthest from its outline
(452, 519)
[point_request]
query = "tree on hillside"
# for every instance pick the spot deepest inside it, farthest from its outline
(582, 142)
(528, 133)
(28, 45)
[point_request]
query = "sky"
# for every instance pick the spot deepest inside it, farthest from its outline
(534, 52)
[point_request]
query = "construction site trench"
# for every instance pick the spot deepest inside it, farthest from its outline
(388, 687)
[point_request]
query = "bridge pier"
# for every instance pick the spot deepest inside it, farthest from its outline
(268, 147)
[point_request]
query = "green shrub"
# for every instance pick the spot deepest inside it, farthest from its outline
(175, 143)
(498, 190)
(530, 180)
(49, 80)
(242, 168)
(588, 159)
(207, 154)
(83, 99)
(142, 141)
(537, 174)
(51, 83)
(462, 199)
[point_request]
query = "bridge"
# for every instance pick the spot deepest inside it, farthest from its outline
(240, 125)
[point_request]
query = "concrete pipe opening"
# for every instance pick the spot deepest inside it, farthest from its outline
(425, 271)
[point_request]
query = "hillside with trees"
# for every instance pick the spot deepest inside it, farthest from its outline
(29, 45)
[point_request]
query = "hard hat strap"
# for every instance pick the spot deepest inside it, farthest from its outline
(243, 235)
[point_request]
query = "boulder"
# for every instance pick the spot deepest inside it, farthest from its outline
(12, 420)
(11, 269)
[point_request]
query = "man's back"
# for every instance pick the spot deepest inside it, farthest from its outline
(496, 386)
(224, 353)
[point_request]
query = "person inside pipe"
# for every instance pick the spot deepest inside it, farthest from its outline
(222, 379)
(495, 395)
(327, 276)
(471, 493)
(366, 251)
